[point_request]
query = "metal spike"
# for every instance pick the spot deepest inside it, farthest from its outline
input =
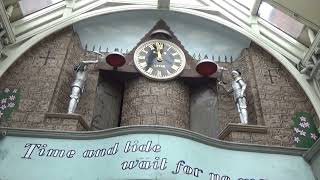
(127, 51)
(212, 57)
(199, 56)
(231, 59)
(225, 59)
(219, 59)
(120, 50)
(94, 47)
(194, 55)
(86, 47)
(205, 57)
(107, 50)
(116, 50)
(100, 49)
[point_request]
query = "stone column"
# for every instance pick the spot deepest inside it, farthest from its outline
(148, 102)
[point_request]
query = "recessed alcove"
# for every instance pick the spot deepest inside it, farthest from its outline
(131, 99)
(108, 102)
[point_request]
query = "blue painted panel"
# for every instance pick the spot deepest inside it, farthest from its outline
(124, 30)
(170, 157)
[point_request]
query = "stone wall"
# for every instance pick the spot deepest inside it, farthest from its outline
(43, 76)
(36, 74)
(275, 97)
(148, 102)
(280, 96)
(63, 89)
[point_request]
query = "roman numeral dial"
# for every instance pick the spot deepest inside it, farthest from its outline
(159, 59)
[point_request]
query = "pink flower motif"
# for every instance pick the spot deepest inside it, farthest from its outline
(306, 124)
(302, 133)
(296, 139)
(302, 125)
(6, 90)
(11, 104)
(303, 119)
(4, 100)
(297, 130)
(1, 114)
(3, 107)
(314, 136)
(12, 97)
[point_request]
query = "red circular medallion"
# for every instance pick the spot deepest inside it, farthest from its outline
(115, 59)
(206, 67)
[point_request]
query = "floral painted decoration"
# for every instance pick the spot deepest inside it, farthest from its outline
(305, 131)
(9, 100)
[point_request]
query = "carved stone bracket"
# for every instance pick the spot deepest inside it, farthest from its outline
(249, 129)
(71, 122)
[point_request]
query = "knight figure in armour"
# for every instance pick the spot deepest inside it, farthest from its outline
(238, 90)
(78, 84)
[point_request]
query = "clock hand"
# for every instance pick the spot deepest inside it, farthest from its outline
(159, 58)
(159, 55)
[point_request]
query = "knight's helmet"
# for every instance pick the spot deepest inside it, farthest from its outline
(237, 72)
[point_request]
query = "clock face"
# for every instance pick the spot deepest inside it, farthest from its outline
(159, 59)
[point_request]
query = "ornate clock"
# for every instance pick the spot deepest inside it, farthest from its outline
(159, 59)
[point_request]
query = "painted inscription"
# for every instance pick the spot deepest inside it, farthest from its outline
(157, 163)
